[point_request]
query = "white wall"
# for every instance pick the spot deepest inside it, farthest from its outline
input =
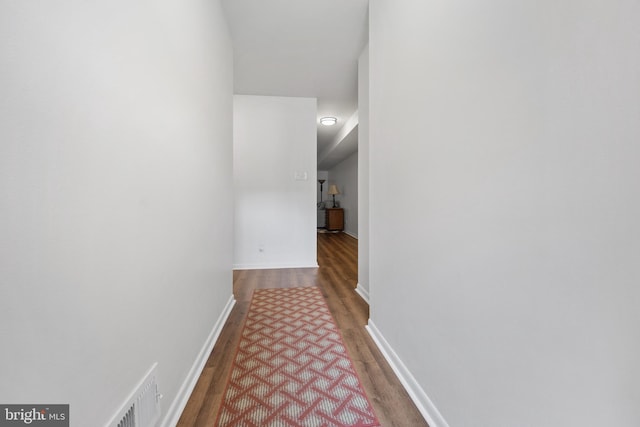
(275, 211)
(505, 241)
(345, 176)
(363, 173)
(115, 188)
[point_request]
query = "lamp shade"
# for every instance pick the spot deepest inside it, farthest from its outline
(333, 189)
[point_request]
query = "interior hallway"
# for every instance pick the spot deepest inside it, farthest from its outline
(337, 278)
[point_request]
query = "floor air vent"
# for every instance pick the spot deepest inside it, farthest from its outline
(129, 418)
(142, 409)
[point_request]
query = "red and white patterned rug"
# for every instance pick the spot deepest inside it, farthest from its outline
(292, 368)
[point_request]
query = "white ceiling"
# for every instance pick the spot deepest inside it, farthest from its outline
(305, 48)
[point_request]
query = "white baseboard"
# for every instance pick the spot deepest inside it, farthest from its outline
(272, 266)
(180, 402)
(363, 293)
(350, 234)
(426, 407)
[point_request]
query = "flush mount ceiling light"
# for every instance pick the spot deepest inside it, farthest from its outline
(328, 121)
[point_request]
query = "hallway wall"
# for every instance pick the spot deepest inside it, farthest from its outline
(505, 241)
(363, 173)
(275, 179)
(115, 161)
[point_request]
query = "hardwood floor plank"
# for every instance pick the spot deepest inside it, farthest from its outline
(337, 278)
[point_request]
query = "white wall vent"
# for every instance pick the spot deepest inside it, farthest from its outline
(142, 408)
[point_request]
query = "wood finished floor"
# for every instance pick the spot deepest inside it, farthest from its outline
(337, 278)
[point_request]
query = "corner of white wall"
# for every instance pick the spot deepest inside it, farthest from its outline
(363, 292)
(363, 170)
(415, 391)
(173, 414)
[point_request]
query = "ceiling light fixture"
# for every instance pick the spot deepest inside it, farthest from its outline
(328, 121)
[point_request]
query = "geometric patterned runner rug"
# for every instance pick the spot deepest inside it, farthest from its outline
(292, 368)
